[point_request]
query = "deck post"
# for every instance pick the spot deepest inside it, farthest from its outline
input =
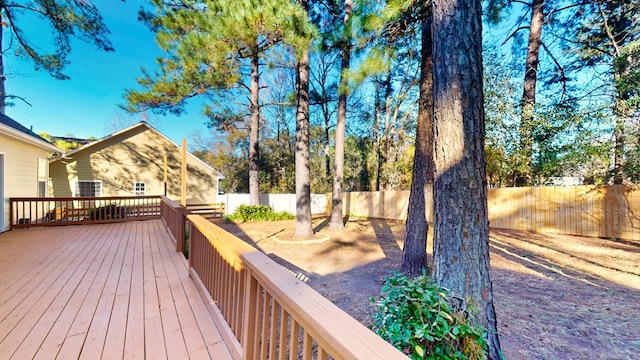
(191, 233)
(11, 202)
(249, 316)
(183, 188)
(182, 235)
(166, 164)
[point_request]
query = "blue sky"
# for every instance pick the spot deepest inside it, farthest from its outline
(87, 104)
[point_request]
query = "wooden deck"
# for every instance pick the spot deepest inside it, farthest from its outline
(110, 291)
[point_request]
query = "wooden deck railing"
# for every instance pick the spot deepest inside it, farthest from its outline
(266, 313)
(174, 218)
(207, 211)
(32, 212)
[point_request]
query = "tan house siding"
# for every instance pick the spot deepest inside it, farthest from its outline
(134, 155)
(20, 171)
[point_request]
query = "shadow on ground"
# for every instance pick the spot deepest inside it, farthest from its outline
(556, 296)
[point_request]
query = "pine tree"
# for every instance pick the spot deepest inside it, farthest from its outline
(213, 49)
(461, 225)
(336, 221)
(536, 15)
(414, 254)
(66, 19)
(303, 171)
(605, 35)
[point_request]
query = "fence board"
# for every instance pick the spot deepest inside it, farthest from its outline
(604, 211)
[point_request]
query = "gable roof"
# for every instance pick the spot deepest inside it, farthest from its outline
(136, 126)
(18, 131)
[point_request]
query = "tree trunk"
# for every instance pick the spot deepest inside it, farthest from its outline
(414, 252)
(621, 107)
(461, 226)
(327, 148)
(303, 167)
(529, 92)
(384, 178)
(336, 222)
(621, 114)
(254, 153)
(618, 150)
(377, 109)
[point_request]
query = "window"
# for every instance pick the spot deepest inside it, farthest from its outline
(88, 188)
(42, 189)
(42, 177)
(139, 188)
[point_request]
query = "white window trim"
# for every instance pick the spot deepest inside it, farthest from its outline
(135, 190)
(43, 177)
(75, 187)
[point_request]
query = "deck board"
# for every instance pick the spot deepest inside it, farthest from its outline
(135, 320)
(61, 312)
(74, 322)
(109, 291)
(196, 344)
(37, 297)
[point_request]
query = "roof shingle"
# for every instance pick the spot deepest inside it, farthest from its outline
(4, 119)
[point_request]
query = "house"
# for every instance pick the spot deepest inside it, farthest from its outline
(131, 162)
(24, 162)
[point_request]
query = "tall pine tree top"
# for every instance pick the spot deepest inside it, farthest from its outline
(208, 44)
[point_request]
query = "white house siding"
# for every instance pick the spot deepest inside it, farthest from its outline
(20, 171)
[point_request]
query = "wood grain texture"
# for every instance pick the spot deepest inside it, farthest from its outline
(101, 291)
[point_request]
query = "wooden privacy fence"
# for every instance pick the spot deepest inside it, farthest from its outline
(602, 211)
(32, 212)
(266, 313)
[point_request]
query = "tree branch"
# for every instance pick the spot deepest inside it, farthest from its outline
(21, 41)
(587, 2)
(514, 34)
(558, 66)
(17, 97)
(608, 30)
(585, 44)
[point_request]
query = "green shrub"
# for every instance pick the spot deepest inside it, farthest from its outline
(416, 316)
(258, 213)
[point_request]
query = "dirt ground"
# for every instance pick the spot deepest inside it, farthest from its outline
(556, 296)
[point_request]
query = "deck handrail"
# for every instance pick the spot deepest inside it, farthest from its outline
(266, 313)
(174, 215)
(54, 211)
(208, 211)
